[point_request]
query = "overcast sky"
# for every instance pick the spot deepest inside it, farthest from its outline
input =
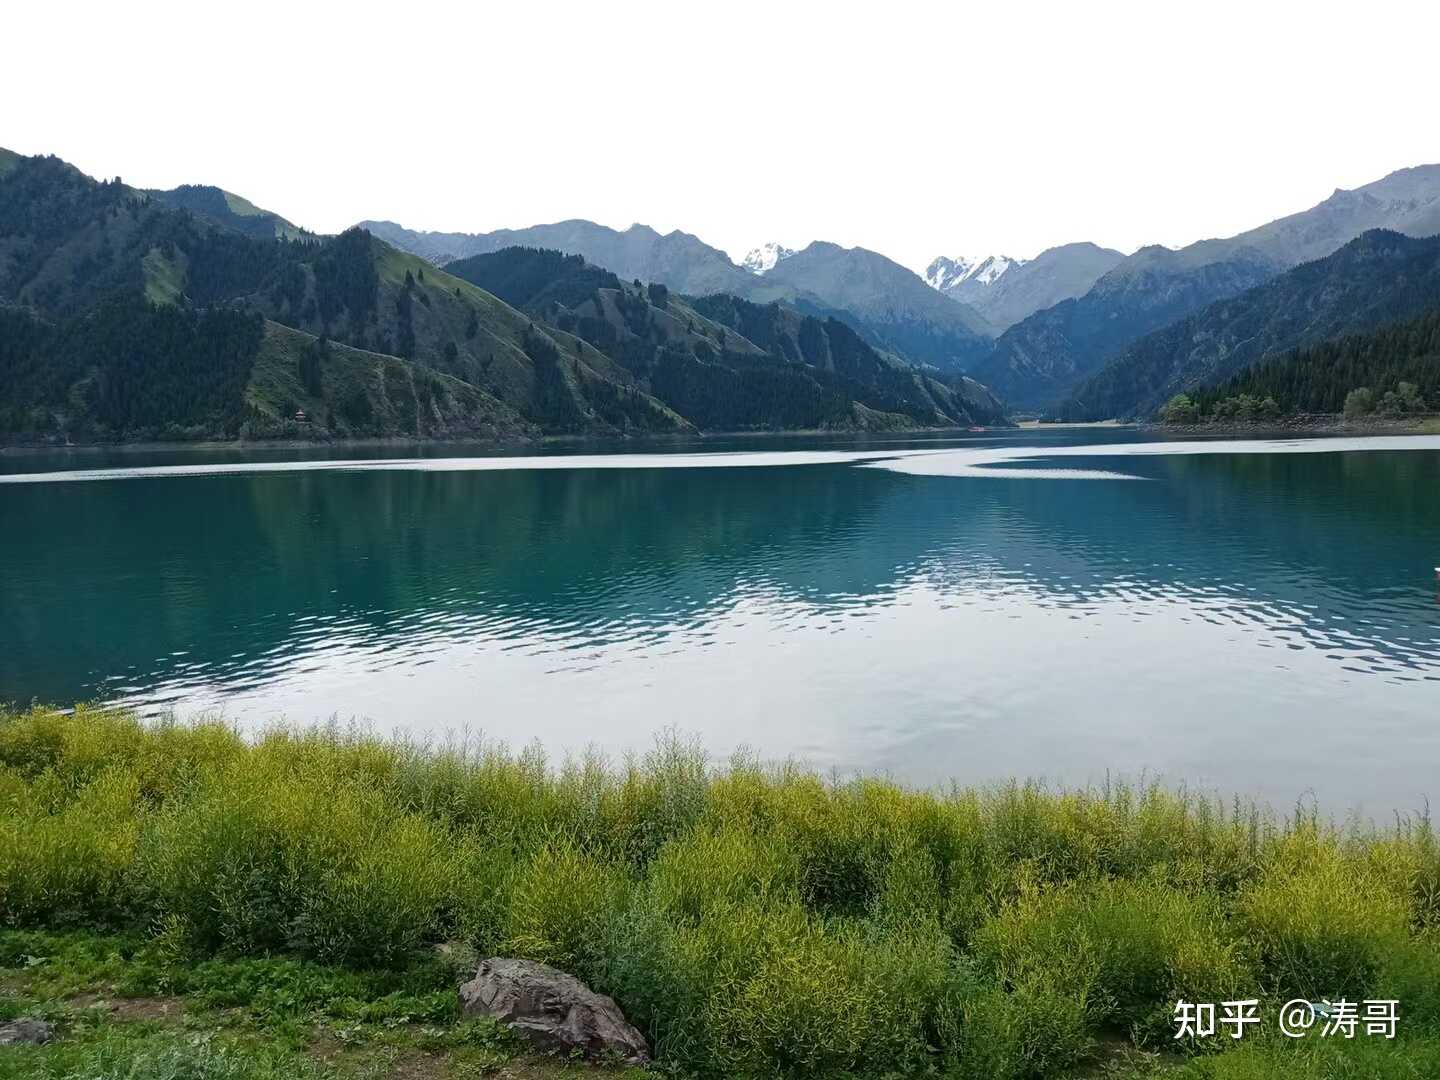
(913, 129)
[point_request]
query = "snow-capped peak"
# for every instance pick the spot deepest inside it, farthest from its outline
(764, 258)
(946, 273)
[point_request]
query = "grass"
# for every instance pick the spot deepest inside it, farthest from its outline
(400, 398)
(290, 892)
(126, 1006)
(164, 278)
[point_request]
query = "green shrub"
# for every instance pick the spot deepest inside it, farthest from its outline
(754, 988)
(1128, 949)
(752, 921)
(263, 860)
(1321, 925)
(1410, 974)
(65, 852)
(1037, 1027)
(561, 907)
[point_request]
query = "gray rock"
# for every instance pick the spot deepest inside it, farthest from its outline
(553, 1010)
(25, 1031)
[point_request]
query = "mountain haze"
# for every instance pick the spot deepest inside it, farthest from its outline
(1056, 274)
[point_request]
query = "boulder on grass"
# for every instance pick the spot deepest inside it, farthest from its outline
(36, 1032)
(553, 1010)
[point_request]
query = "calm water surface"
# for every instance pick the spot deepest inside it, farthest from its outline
(1251, 617)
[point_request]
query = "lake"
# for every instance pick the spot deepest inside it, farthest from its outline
(1251, 617)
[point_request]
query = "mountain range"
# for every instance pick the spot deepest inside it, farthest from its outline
(1006, 290)
(1041, 360)
(1379, 277)
(951, 276)
(189, 312)
(1032, 330)
(889, 305)
(132, 314)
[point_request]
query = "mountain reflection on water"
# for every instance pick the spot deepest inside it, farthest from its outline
(1262, 621)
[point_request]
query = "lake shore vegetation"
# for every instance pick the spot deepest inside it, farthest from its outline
(303, 902)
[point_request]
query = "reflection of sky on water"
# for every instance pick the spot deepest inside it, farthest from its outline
(1256, 617)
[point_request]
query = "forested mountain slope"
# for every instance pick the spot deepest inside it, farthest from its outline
(1042, 360)
(71, 247)
(1320, 378)
(1379, 277)
(129, 317)
(889, 305)
(722, 361)
(227, 210)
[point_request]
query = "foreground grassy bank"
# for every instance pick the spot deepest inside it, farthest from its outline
(290, 893)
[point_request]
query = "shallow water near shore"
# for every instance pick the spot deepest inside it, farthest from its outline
(1250, 616)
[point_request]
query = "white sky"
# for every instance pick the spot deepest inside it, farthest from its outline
(915, 129)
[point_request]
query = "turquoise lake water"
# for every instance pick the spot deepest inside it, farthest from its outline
(1246, 617)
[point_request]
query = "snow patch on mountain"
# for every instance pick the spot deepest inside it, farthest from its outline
(763, 259)
(947, 273)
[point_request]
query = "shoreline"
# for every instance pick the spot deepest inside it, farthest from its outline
(1045, 425)
(252, 445)
(1307, 424)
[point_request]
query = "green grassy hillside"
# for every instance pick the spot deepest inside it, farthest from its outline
(413, 310)
(227, 210)
(347, 392)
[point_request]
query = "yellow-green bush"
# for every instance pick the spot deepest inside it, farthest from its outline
(559, 907)
(1321, 924)
(268, 855)
(1130, 949)
(67, 846)
(753, 921)
(1038, 1026)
